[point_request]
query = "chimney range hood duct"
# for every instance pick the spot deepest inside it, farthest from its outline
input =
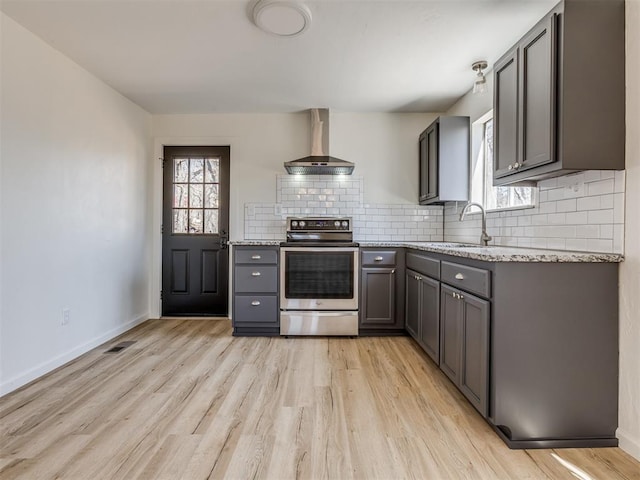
(319, 163)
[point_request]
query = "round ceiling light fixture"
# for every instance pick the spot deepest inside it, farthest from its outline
(285, 18)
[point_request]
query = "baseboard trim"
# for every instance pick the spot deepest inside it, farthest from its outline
(628, 443)
(50, 365)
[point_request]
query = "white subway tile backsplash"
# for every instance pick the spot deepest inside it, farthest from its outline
(598, 217)
(601, 187)
(566, 205)
(583, 211)
(619, 181)
(588, 203)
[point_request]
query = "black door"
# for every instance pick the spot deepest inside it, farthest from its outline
(195, 221)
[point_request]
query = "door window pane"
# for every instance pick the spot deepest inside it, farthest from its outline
(196, 195)
(211, 221)
(195, 221)
(196, 171)
(211, 196)
(180, 221)
(181, 170)
(212, 172)
(180, 193)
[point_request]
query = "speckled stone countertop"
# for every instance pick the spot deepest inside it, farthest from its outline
(478, 252)
(503, 254)
(256, 243)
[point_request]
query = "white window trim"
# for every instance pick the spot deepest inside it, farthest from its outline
(477, 137)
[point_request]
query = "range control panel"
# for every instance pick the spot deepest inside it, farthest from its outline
(319, 224)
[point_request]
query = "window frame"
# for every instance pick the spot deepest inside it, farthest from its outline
(476, 177)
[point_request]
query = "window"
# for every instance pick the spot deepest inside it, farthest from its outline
(482, 189)
(195, 195)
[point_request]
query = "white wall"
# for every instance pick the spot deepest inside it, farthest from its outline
(629, 428)
(74, 197)
(383, 146)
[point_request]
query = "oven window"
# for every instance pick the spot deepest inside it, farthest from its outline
(319, 274)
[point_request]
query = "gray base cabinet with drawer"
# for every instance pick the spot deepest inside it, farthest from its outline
(532, 345)
(381, 291)
(255, 291)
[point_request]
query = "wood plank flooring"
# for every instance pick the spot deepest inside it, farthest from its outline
(189, 401)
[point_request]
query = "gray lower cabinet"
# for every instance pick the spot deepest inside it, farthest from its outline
(464, 341)
(382, 288)
(255, 291)
(533, 346)
(422, 312)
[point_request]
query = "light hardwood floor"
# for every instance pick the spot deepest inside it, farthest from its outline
(190, 401)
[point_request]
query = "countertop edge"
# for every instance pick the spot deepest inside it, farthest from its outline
(487, 254)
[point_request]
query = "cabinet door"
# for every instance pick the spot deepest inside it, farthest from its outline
(474, 344)
(432, 161)
(450, 320)
(412, 322)
(424, 167)
(505, 114)
(537, 95)
(430, 317)
(378, 297)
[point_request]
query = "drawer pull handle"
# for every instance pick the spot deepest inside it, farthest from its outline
(255, 257)
(378, 259)
(459, 276)
(255, 303)
(255, 274)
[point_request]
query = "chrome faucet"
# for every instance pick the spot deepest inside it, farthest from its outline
(484, 238)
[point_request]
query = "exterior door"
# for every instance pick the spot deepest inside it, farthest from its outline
(195, 221)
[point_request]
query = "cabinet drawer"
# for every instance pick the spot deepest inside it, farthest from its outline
(256, 278)
(379, 257)
(257, 256)
(471, 279)
(425, 265)
(258, 309)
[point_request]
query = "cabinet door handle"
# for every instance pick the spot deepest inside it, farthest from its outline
(459, 276)
(516, 165)
(255, 274)
(378, 259)
(393, 270)
(255, 257)
(510, 167)
(255, 303)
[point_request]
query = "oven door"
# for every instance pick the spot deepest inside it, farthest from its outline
(319, 278)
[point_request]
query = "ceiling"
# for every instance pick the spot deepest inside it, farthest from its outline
(206, 56)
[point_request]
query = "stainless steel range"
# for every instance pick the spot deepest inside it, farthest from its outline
(319, 273)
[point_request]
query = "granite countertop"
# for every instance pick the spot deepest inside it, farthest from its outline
(492, 253)
(503, 254)
(256, 243)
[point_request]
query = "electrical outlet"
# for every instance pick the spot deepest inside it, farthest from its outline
(277, 209)
(66, 314)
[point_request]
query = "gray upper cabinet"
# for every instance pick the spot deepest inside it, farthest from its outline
(559, 95)
(444, 161)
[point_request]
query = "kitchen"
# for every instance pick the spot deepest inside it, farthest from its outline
(261, 142)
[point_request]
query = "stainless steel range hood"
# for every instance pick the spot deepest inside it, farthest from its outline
(319, 162)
